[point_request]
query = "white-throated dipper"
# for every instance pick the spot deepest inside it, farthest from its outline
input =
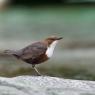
(36, 52)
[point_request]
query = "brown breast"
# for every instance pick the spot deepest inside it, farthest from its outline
(37, 60)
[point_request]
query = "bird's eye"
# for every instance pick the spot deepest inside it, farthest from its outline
(52, 39)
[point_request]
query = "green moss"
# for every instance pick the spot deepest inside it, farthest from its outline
(55, 72)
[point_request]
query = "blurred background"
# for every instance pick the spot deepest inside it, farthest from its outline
(24, 21)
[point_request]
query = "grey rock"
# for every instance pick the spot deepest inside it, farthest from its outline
(45, 85)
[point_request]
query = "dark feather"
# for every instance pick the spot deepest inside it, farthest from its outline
(32, 51)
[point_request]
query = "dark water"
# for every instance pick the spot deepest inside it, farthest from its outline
(74, 56)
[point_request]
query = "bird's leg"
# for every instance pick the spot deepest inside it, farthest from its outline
(33, 66)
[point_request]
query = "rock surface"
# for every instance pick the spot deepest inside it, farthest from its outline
(45, 85)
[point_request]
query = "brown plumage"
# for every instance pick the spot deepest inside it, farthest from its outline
(35, 53)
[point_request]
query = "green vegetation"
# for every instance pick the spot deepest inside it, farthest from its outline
(62, 72)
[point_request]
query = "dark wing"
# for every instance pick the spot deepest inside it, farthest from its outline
(32, 51)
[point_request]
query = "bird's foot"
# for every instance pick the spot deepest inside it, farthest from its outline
(38, 73)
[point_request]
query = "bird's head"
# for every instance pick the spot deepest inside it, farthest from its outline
(52, 39)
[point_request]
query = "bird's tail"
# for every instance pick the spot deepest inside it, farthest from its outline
(9, 52)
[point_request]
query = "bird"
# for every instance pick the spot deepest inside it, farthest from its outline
(37, 52)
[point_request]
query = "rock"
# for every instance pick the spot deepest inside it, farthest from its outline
(45, 85)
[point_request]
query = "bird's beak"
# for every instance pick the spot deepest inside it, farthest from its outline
(59, 38)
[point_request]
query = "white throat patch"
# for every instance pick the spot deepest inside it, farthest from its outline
(50, 49)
